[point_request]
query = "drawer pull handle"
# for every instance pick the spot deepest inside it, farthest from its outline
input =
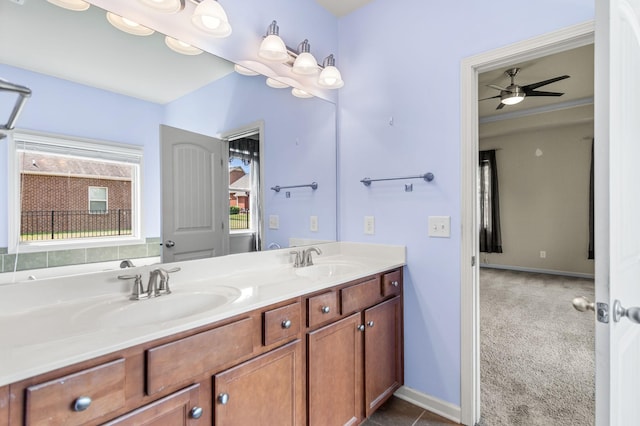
(286, 324)
(81, 403)
(370, 324)
(196, 412)
(223, 398)
(326, 309)
(361, 327)
(394, 283)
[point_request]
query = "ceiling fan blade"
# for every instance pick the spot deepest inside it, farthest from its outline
(539, 93)
(533, 86)
(492, 97)
(493, 86)
(500, 105)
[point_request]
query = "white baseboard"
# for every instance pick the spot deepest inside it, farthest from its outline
(435, 405)
(539, 271)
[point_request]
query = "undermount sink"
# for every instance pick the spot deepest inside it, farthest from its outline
(326, 270)
(177, 305)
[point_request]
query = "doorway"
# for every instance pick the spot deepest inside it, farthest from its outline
(570, 38)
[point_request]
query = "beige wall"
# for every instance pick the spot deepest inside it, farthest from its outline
(544, 198)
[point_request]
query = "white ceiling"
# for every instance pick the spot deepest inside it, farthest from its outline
(342, 7)
(45, 39)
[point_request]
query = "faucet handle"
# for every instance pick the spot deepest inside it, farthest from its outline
(137, 291)
(298, 259)
(163, 285)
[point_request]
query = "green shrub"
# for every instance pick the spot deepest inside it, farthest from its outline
(234, 209)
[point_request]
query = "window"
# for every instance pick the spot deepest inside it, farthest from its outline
(72, 192)
(98, 200)
(244, 161)
(490, 234)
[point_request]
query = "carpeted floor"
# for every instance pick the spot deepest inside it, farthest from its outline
(537, 351)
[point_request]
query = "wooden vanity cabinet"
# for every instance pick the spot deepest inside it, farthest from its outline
(356, 363)
(4, 405)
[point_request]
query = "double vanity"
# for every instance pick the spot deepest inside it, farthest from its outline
(243, 339)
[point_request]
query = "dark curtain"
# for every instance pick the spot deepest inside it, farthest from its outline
(246, 149)
(591, 229)
(490, 235)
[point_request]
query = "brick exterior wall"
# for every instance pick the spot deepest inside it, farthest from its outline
(71, 194)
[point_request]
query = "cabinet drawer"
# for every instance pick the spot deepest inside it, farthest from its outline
(281, 323)
(322, 308)
(101, 388)
(391, 283)
(360, 296)
(205, 351)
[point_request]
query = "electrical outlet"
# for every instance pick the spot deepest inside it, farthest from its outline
(369, 226)
(440, 226)
(543, 254)
(274, 221)
(313, 223)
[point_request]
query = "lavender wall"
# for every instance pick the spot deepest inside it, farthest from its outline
(401, 59)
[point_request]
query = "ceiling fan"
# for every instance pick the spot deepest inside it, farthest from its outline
(514, 93)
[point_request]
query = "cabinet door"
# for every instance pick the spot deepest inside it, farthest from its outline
(334, 368)
(178, 409)
(266, 390)
(383, 352)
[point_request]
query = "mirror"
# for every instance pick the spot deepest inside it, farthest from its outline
(121, 88)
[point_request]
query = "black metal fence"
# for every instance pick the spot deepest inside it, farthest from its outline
(239, 221)
(59, 224)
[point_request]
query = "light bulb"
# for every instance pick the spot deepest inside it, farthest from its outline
(127, 25)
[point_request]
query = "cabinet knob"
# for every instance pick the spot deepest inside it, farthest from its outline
(196, 412)
(223, 398)
(286, 324)
(326, 309)
(370, 324)
(361, 327)
(394, 283)
(81, 403)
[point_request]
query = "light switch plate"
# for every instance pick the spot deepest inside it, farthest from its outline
(313, 223)
(274, 221)
(369, 225)
(440, 226)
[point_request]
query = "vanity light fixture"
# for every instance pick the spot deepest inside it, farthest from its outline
(244, 70)
(211, 18)
(305, 63)
(75, 5)
(165, 6)
(181, 47)
(272, 47)
(330, 77)
(272, 82)
(299, 93)
(127, 25)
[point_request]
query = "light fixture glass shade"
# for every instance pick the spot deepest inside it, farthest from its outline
(330, 77)
(211, 18)
(127, 25)
(299, 93)
(305, 63)
(272, 82)
(165, 6)
(244, 70)
(181, 47)
(512, 98)
(272, 47)
(76, 5)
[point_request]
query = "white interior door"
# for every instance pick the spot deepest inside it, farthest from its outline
(195, 196)
(617, 103)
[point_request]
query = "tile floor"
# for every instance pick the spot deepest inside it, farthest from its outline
(397, 412)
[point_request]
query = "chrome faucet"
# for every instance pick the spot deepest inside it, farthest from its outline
(126, 264)
(157, 286)
(307, 260)
(297, 261)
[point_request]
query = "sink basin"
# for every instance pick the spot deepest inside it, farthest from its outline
(174, 306)
(326, 270)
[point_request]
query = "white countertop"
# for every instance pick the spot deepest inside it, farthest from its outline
(52, 323)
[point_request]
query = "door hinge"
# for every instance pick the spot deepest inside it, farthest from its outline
(473, 261)
(602, 312)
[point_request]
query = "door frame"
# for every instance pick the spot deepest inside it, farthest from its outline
(547, 44)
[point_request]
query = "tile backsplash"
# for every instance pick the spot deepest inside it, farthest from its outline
(48, 259)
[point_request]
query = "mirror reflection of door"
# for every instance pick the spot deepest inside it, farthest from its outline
(245, 204)
(195, 218)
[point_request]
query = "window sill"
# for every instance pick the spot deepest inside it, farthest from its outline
(39, 246)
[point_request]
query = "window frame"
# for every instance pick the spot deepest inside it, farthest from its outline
(132, 154)
(105, 200)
